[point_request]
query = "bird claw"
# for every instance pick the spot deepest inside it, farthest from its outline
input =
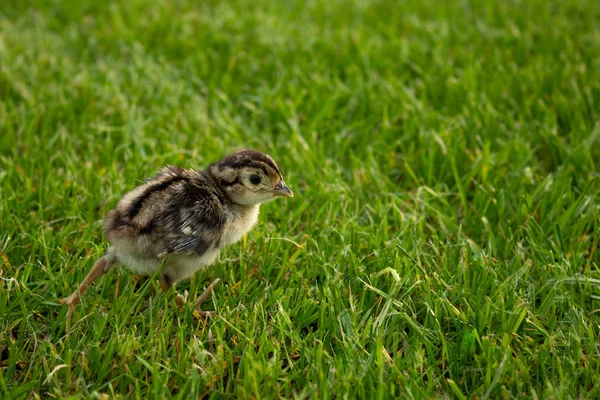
(203, 314)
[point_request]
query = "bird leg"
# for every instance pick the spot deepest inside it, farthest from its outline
(202, 298)
(165, 282)
(102, 266)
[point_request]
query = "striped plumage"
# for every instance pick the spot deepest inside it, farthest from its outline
(180, 219)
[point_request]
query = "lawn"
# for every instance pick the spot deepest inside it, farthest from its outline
(444, 239)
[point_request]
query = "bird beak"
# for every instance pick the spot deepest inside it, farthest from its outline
(281, 189)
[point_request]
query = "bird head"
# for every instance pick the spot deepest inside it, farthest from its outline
(250, 177)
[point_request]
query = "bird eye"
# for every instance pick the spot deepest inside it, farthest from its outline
(254, 179)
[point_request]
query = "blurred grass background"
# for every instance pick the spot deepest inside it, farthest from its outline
(443, 241)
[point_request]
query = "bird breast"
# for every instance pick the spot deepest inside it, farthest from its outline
(241, 223)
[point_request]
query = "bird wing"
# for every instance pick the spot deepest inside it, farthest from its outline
(187, 244)
(195, 217)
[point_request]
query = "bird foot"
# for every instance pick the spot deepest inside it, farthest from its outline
(180, 300)
(71, 301)
(202, 298)
(204, 314)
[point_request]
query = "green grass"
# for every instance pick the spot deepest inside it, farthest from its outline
(444, 240)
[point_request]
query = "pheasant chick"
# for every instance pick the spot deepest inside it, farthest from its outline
(179, 220)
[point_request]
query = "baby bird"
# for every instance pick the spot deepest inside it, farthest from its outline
(180, 219)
